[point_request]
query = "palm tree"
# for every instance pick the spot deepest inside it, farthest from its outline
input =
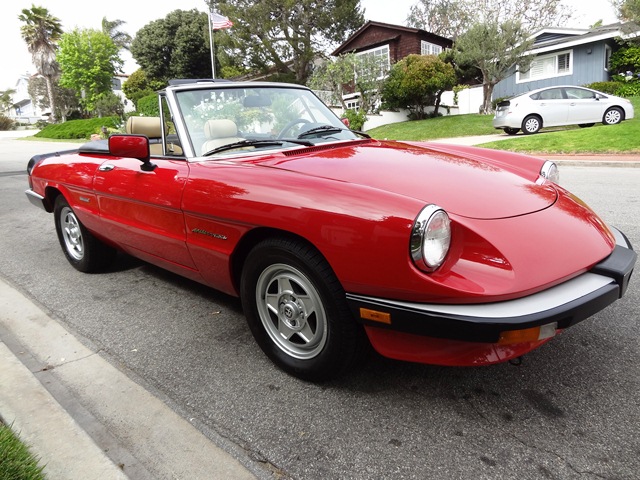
(41, 32)
(120, 39)
(6, 100)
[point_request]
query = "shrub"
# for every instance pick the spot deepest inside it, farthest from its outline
(605, 87)
(631, 89)
(78, 128)
(357, 119)
(6, 123)
(148, 106)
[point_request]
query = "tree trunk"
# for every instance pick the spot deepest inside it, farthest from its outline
(487, 91)
(52, 103)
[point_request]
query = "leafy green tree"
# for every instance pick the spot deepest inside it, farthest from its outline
(138, 85)
(495, 49)
(417, 82)
(334, 76)
(112, 28)
(88, 60)
(41, 32)
(174, 47)
(628, 9)
(287, 35)
(65, 99)
(451, 18)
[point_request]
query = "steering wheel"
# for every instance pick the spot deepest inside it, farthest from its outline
(290, 125)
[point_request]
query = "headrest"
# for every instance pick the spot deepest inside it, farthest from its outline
(149, 126)
(220, 129)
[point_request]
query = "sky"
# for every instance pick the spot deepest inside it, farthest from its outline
(136, 14)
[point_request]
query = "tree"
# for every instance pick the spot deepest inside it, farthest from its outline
(138, 85)
(628, 9)
(121, 39)
(65, 99)
(6, 100)
(89, 60)
(174, 47)
(417, 82)
(41, 32)
(494, 48)
(287, 35)
(451, 18)
(362, 74)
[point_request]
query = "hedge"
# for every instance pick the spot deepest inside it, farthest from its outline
(79, 128)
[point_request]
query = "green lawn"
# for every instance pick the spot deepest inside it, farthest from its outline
(16, 462)
(622, 138)
(439, 127)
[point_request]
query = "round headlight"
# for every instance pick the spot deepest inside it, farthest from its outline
(550, 171)
(430, 238)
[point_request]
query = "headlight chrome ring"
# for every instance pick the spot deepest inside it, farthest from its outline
(430, 238)
(550, 171)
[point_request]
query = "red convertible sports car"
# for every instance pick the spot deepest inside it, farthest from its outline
(430, 253)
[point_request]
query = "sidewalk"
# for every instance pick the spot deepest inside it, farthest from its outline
(87, 420)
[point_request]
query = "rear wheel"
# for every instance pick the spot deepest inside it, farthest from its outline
(511, 131)
(297, 312)
(531, 124)
(613, 116)
(83, 251)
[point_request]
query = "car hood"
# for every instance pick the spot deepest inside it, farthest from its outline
(469, 185)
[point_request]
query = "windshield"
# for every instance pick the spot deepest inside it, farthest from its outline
(217, 118)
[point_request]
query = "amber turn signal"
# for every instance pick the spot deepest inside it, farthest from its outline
(528, 334)
(375, 316)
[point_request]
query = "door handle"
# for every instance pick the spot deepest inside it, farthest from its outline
(107, 167)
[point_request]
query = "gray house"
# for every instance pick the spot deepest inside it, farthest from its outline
(567, 57)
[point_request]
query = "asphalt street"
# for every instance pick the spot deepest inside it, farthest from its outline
(570, 410)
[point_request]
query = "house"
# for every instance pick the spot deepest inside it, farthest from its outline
(565, 56)
(392, 42)
(23, 109)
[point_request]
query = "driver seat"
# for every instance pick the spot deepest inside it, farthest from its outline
(218, 133)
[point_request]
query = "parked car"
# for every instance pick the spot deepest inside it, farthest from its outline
(430, 253)
(562, 105)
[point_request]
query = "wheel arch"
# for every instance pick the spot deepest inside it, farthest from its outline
(253, 238)
(50, 195)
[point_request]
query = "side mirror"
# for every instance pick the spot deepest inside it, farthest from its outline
(132, 146)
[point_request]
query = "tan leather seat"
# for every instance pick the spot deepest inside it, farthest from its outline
(218, 133)
(152, 128)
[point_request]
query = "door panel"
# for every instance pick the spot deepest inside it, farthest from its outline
(141, 210)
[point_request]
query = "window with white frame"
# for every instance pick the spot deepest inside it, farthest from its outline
(548, 66)
(381, 56)
(427, 48)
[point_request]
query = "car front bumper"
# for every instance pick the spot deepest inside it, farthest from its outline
(560, 307)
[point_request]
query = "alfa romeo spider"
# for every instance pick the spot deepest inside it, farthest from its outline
(335, 241)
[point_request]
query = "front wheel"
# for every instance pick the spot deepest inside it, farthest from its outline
(613, 116)
(297, 312)
(83, 251)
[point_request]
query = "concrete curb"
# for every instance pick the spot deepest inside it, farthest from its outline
(108, 427)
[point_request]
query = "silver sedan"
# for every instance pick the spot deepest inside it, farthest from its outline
(560, 105)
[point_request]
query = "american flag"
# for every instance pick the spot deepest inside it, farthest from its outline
(219, 22)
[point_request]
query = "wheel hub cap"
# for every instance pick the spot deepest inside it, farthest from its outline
(292, 313)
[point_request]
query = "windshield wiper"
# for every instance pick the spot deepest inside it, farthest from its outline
(255, 143)
(330, 129)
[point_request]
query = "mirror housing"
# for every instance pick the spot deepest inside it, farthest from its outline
(132, 146)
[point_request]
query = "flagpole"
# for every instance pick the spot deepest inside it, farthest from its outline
(211, 42)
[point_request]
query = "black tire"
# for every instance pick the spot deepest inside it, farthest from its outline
(511, 131)
(83, 251)
(297, 311)
(613, 116)
(586, 125)
(531, 124)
